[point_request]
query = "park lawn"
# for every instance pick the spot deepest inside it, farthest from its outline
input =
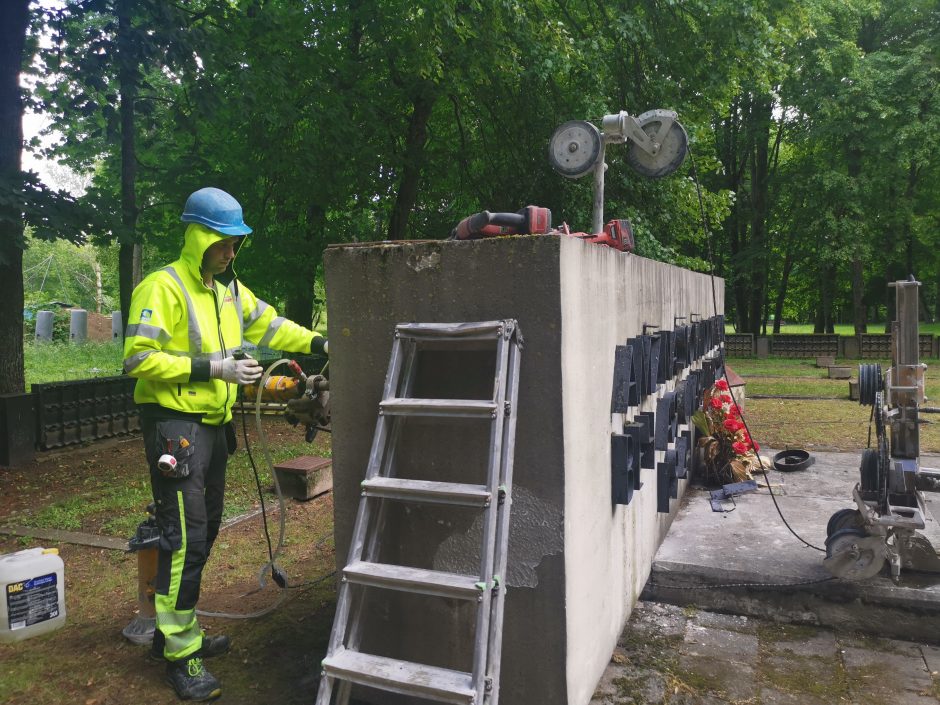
(777, 376)
(845, 329)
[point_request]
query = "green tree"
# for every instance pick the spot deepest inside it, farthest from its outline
(14, 19)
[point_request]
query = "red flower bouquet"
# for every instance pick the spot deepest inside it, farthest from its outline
(729, 452)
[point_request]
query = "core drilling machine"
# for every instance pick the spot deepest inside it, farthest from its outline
(890, 514)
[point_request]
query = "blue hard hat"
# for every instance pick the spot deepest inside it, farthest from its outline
(215, 209)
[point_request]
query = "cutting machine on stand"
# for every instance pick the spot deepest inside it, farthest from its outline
(657, 145)
(891, 511)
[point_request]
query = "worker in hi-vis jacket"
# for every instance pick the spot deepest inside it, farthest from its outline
(186, 322)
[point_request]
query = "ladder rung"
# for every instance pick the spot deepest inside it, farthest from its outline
(419, 580)
(476, 408)
(405, 677)
(448, 330)
(427, 491)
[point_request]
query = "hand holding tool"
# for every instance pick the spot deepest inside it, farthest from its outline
(236, 371)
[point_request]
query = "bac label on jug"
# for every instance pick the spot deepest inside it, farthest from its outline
(32, 601)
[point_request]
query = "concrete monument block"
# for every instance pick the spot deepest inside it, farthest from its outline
(44, 323)
(117, 327)
(78, 325)
(577, 562)
(763, 347)
(852, 349)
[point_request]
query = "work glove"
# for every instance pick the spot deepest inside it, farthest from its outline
(319, 344)
(234, 371)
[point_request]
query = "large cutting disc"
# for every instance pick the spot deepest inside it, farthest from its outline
(574, 148)
(673, 146)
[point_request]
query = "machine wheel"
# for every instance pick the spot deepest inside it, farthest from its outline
(853, 555)
(869, 383)
(674, 145)
(844, 519)
(869, 471)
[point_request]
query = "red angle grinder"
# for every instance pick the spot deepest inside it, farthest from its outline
(534, 220)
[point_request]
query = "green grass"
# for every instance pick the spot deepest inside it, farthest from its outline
(830, 421)
(846, 329)
(800, 377)
(111, 499)
(59, 362)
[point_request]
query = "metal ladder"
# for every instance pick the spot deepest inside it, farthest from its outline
(344, 662)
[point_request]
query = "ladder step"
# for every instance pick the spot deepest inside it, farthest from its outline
(419, 580)
(449, 330)
(474, 408)
(427, 491)
(405, 677)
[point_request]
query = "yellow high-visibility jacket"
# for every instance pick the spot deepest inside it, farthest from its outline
(177, 325)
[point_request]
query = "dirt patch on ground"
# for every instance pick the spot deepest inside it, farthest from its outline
(99, 327)
(275, 658)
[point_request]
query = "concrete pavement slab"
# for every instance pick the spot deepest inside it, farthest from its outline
(777, 664)
(748, 562)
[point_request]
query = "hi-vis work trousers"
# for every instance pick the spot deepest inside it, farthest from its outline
(189, 513)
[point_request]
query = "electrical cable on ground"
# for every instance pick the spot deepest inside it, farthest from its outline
(721, 352)
(277, 573)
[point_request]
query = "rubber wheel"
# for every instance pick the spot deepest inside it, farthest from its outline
(867, 564)
(844, 519)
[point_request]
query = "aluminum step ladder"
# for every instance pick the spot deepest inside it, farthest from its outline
(344, 664)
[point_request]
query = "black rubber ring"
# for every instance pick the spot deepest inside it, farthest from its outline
(793, 459)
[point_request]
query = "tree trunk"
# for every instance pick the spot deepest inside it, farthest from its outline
(858, 294)
(889, 304)
(14, 18)
(129, 257)
(824, 320)
(761, 117)
(782, 290)
(936, 303)
(299, 304)
(414, 159)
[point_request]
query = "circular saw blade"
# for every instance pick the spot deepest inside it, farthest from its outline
(673, 146)
(574, 148)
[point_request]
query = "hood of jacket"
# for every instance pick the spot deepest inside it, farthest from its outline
(197, 239)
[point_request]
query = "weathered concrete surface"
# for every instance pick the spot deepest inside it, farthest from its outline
(672, 655)
(605, 299)
(576, 563)
(706, 550)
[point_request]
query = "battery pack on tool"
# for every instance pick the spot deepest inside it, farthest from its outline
(278, 388)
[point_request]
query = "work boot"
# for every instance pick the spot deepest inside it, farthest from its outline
(214, 645)
(211, 645)
(191, 680)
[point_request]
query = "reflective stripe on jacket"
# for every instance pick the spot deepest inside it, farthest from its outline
(177, 325)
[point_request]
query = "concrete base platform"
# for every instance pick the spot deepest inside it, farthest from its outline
(747, 562)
